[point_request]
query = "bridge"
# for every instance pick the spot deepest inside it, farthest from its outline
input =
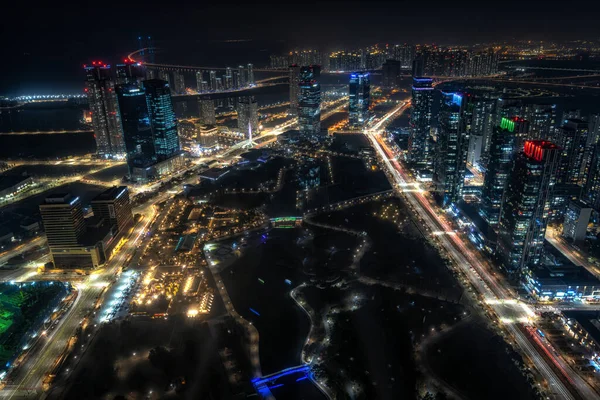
(265, 384)
(46, 132)
(553, 68)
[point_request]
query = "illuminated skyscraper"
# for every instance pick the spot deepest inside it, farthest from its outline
(178, 82)
(103, 106)
(162, 119)
(115, 207)
(359, 99)
(165, 76)
(309, 105)
(572, 137)
(247, 111)
(526, 205)
(228, 78)
(294, 88)
(501, 156)
(451, 150)
(130, 72)
(207, 111)
(135, 119)
(213, 80)
(250, 74)
(242, 77)
(391, 73)
(420, 121)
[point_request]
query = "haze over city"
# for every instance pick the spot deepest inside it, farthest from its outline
(326, 200)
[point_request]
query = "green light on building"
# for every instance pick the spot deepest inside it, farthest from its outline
(506, 123)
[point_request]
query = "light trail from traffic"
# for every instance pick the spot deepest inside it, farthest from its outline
(470, 262)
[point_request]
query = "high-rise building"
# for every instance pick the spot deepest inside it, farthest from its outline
(236, 79)
(247, 115)
(420, 121)
(115, 207)
(309, 103)
(592, 182)
(228, 78)
(200, 81)
(243, 77)
(501, 156)
(572, 137)
(178, 82)
(62, 215)
(162, 119)
(294, 88)
(165, 76)
(573, 113)
(103, 106)
(482, 126)
(577, 217)
(526, 208)
(391, 73)
(451, 150)
(135, 120)
(250, 74)
(212, 80)
(359, 92)
(207, 111)
(542, 119)
(130, 72)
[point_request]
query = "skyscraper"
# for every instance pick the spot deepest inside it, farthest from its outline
(129, 72)
(200, 81)
(309, 104)
(103, 106)
(64, 224)
(526, 208)
(481, 127)
(572, 137)
(420, 121)
(162, 119)
(592, 182)
(451, 152)
(359, 92)
(242, 77)
(135, 120)
(228, 78)
(115, 207)
(178, 82)
(207, 111)
(250, 74)
(391, 73)
(247, 115)
(501, 155)
(294, 88)
(62, 215)
(212, 80)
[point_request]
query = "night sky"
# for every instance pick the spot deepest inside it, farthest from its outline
(46, 44)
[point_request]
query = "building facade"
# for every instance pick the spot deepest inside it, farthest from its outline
(451, 148)
(103, 106)
(420, 121)
(359, 92)
(294, 71)
(526, 206)
(309, 101)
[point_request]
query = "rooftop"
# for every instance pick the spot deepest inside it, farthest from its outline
(110, 194)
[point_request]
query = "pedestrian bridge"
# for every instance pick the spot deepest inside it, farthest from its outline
(264, 384)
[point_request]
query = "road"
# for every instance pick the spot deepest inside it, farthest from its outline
(477, 270)
(32, 372)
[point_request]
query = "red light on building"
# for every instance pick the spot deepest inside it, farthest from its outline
(93, 62)
(535, 149)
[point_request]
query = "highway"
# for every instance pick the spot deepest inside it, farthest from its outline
(32, 372)
(479, 273)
